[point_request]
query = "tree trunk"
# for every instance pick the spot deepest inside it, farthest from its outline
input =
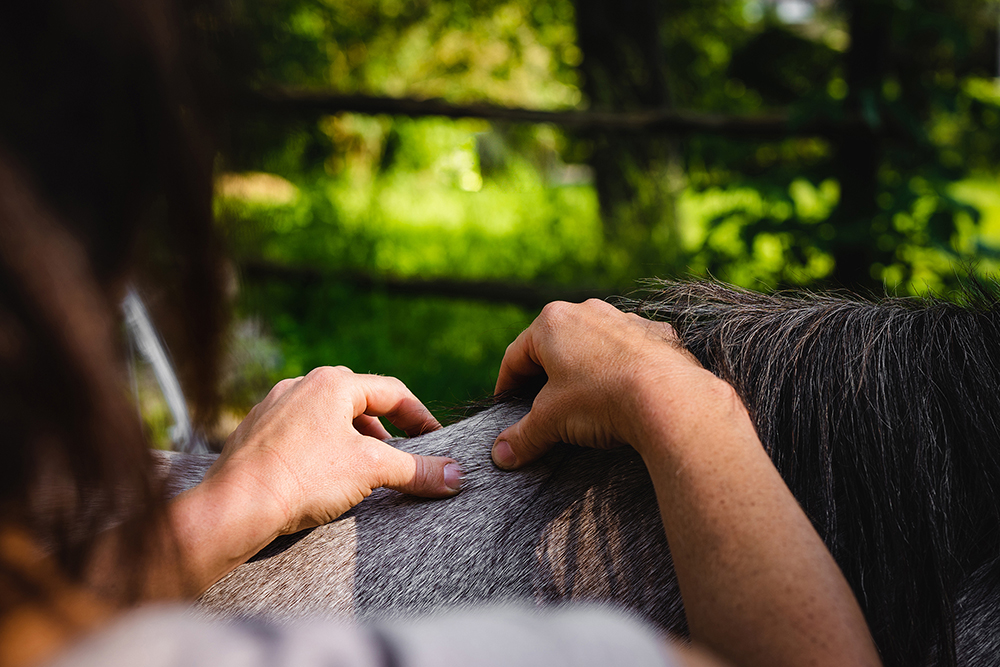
(859, 151)
(624, 69)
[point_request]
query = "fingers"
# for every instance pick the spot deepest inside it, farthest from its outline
(274, 396)
(277, 392)
(371, 426)
(524, 360)
(520, 362)
(523, 442)
(425, 476)
(377, 396)
(388, 397)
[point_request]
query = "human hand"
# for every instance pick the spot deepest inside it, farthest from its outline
(605, 369)
(758, 584)
(312, 449)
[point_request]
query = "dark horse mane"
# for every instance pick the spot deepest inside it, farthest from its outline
(884, 420)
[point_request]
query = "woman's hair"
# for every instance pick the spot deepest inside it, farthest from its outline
(105, 166)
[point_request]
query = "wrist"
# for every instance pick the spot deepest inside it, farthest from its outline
(679, 412)
(219, 525)
(251, 488)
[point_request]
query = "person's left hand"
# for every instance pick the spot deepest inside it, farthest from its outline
(313, 448)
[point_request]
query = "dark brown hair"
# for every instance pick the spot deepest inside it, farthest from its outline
(105, 171)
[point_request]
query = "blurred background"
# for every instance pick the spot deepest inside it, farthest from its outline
(405, 183)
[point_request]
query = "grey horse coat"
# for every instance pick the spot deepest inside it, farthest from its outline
(578, 525)
(880, 417)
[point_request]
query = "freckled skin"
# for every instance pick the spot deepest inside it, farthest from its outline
(736, 533)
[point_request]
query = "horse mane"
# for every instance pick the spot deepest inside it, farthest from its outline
(884, 420)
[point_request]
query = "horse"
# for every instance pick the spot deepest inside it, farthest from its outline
(883, 419)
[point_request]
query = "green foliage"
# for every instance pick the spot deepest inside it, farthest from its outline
(475, 200)
(431, 214)
(447, 352)
(511, 51)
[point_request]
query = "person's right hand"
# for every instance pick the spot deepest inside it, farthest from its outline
(758, 584)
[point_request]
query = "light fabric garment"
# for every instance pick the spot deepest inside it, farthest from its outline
(176, 637)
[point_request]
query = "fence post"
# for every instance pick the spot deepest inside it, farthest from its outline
(858, 149)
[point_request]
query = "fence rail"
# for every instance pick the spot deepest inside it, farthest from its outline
(520, 294)
(288, 101)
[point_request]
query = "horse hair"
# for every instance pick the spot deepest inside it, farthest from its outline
(880, 417)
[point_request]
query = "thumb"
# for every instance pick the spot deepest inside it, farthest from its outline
(522, 443)
(426, 476)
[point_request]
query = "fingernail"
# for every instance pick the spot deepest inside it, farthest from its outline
(503, 455)
(453, 476)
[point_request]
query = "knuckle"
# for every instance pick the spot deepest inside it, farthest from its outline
(423, 472)
(320, 373)
(524, 438)
(603, 309)
(528, 449)
(372, 459)
(328, 375)
(524, 445)
(383, 464)
(393, 389)
(555, 311)
(284, 385)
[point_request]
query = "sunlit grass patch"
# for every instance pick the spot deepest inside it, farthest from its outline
(447, 351)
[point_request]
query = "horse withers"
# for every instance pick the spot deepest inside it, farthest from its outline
(881, 418)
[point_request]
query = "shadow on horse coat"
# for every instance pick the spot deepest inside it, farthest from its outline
(882, 419)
